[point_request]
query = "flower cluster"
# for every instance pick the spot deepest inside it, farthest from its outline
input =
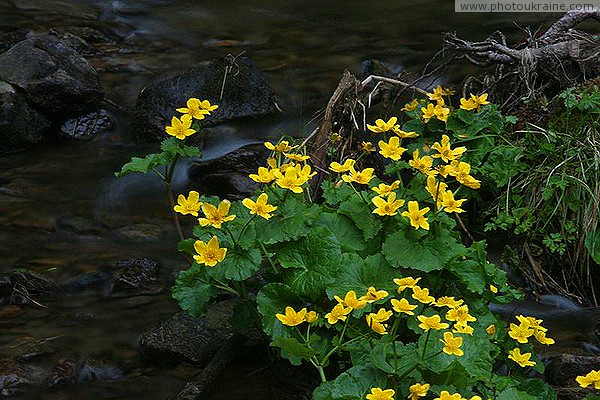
(197, 109)
(528, 327)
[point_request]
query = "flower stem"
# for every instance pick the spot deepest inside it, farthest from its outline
(425, 346)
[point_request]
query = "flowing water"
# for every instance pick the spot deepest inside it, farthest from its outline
(62, 211)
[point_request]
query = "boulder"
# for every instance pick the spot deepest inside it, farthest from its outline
(87, 126)
(54, 77)
(246, 93)
(20, 125)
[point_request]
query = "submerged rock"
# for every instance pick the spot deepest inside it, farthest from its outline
(20, 125)
(246, 93)
(54, 77)
(20, 287)
(87, 126)
(136, 276)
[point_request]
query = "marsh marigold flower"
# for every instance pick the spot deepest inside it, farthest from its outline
(521, 333)
(350, 300)
(422, 295)
(432, 322)
(291, 317)
(403, 134)
(441, 112)
(422, 164)
(384, 190)
(382, 126)
(387, 207)
(417, 216)
(428, 112)
(260, 207)
(418, 390)
(281, 147)
(407, 282)
(180, 128)
(338, 313)
(491, 329)
(291, 179)
(460, 315)
(190, 205)
(264, 175)
(207, 107)
(311, 317)
(462, 328)
(296, 157)
(374, 295)
(474, 102)
(193, 109)
(591, 378)
(411, 106)
(391, 150)
(445, 395)
(448, 301)
(362, 177)
(367, 147)
(209, 253)
(380, 394)
(341, 168)
(216, 216)
(461, 171)
(521, 359)
(452, 344)
(445, 152)
(403, 306)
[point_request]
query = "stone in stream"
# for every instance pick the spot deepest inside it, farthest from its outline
(87, 126)
(246, 93)
(20, 124)
(52, 75)
(20, 287)
(136, 276)
(227, 176)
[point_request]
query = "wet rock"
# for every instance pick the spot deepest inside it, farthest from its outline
(19, 287)
(53, 76)
(87, 126)
(183, 338)
(140, 232)
(227, 176)
(571, 393)
(137, 276)
(562, 369)
(9, 39)
(20, 125)
(95, 280)
(246, 93)
(68, 371)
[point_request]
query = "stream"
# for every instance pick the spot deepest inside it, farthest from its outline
(64, 214)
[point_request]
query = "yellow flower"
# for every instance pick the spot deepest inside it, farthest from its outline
(441, 112)
(193, 109)
(281, 147)
(379, 394)
(436, 189)
(191, 205)
(474, 102)
(209, 253)
(438, 93)
(411, 106)
(291, 317)
(444, 150)
(433, 322)
(304, 172)
(521, 359)
(216, 216)
(367, 147)
(403, 134)
(460, 315)
(422, 295)
(493, 289)
(445, 395)
(341, 168)
(290, 179)
(374, 295)
(338, 313)
(422, 164)
(382, 315)
(491, 330)
(387, 207)
(403, 306)
(418, 390)
(311, 317)
(207, 107)
(296, 157)
(392, 149)
(428, 112)
(351, 301)
(591, 378)
(264, 175)
(407, 282)
(452, 344)
(540, 336)
(532, 322)
(416, 215)
(378, 327)
(462, 328)
(335, 137)
(520, 332)
(362, 177)
(448, 301)
(384, 190)
(461, 170)
(467, 104)
(180, 128)
(382, 126)
(450, 204)
(260, 207)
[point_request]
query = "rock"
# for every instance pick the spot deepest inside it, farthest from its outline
(137, 274)
(95, 280)
(9, 39)
(20, 125)
(140, 232)
(19, 287)
(246, 94)
(183, 338)
(53, 76)
(68, 371)
(562, 369)
(227, 176)
(87, 126)
(571, 393)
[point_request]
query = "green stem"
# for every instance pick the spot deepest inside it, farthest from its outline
(321, 373)
(264, 250)
(231, 235)
(425, 346)
(244, 227)
(173, 212)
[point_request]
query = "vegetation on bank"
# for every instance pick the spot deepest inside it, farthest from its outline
(370, 281)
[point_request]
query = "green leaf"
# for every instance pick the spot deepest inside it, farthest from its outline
(192, 292)
(410, 248)
(314, 260)
(592, 244)
(334, 194)
(143, 165)
(362, 215)
(353, 384)
(187, 246)
(173, 146)
(239, 264)
(293, 350)
(347, 234)
(359, 274)
(272, 299)
(292, 221)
